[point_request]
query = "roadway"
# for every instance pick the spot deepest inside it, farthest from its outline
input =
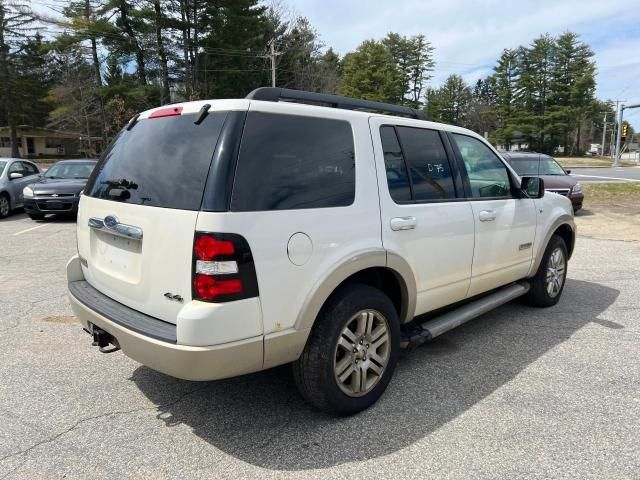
(606, 175)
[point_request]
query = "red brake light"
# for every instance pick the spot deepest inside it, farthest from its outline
(208, 248)
(166, 112)
(222, 268)
(208, 287)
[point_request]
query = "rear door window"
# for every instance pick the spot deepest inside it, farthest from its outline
(293, 162)
(429, 167)
(160, 162)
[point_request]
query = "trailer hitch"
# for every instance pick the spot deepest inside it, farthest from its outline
(102, 339)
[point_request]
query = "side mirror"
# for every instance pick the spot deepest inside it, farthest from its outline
(15, 176)
(568, 172)
(532, 187)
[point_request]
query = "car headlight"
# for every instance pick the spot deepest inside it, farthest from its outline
(577, 188)
(28, 192)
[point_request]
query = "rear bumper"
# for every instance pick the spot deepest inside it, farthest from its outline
(181, 361)
(51, 205)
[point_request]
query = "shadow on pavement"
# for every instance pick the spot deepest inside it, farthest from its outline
(262, 420)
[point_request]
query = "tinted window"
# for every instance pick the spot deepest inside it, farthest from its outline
(164, 162)
(487, 174)
(2, 165)
(291, 162)
(428, 164)
(29, 169)
(397, 177)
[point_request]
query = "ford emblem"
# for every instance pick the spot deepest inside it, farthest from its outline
(110, 221)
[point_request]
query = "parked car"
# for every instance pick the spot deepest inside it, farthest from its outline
(15, 174)
(556, 179)
(218, 238)
(58, 190)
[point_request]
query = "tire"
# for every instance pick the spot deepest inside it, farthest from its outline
(368, 364)
(541, 294)
(36, 216)
(5, 205)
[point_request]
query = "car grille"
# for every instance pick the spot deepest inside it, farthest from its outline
(559, 191)
(57, 195)
(55, 206)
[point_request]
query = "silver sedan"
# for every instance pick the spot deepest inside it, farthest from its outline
(15, 174)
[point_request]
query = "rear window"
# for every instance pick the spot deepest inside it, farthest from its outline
(292, 162)
(160, 162)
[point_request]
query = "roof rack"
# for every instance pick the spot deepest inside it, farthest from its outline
(272, 94)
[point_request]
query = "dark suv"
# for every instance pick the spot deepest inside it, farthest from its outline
(556, 179)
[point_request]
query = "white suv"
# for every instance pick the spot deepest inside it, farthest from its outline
(224, 237)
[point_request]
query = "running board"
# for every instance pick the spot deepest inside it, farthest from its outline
(423, 332)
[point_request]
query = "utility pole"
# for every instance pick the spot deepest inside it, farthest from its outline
(619, 110)
(604, 132)
(273, 54)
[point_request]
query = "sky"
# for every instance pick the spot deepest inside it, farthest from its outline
(469, 35)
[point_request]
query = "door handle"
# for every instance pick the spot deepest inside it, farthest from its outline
(487, 215)
(403, 223)
(115, 228)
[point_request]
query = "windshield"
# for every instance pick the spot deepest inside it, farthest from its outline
(161, 162)
(3, 163)
(534, 166)
(70, 170)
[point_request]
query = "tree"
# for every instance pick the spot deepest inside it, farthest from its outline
(450, 102)
(481, 111)
(83, 26)
(16, 23)
(127, 34)
(371, 73)
(573, 80)
(231, 63)
(414, 58)
(73, 96)
(505, 80)
(535, 65)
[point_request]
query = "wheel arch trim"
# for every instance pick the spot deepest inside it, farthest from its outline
(287, 345)
(557, 223)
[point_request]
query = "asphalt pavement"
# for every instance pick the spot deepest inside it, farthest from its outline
(606, 175)
(517, 393)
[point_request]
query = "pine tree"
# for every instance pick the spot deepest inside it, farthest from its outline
(450, 103)
(371, 73)
(414, 58)
(505, 80)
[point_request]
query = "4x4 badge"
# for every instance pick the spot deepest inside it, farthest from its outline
(171, 296)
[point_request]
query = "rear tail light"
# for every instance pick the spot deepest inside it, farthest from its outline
(223, 269)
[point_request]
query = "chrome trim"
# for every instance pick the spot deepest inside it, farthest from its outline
(111, 225)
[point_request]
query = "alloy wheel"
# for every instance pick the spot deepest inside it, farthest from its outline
(362, 353)
(556, 269)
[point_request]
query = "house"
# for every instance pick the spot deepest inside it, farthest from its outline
(38, 142)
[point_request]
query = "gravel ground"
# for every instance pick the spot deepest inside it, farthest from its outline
(517, 393)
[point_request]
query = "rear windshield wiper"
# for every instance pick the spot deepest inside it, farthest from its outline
(120, 183)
